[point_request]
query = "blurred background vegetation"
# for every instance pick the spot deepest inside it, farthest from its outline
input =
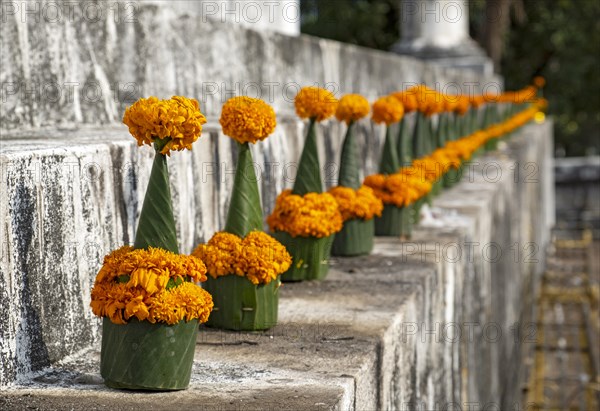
(558, 39)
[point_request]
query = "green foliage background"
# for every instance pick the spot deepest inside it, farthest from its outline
(559, 39)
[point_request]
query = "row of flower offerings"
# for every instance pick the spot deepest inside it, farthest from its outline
(149, 294)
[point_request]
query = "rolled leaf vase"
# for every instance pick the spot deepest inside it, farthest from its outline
(241, 305)
(310, 256)
(356, 238)
(143, 356)
(394, 221)
(453, 176)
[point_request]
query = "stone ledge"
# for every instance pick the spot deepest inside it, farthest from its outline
(326, 352)
(348, 340)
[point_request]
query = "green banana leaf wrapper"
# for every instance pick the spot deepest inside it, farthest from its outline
(241, 305)
(356, 238)
(310, 256)
(141, 355)
(390, 163)
(416, 210)
(144, 356)
(394, 221)
(405, 143)
(436, 188)
(453, 176)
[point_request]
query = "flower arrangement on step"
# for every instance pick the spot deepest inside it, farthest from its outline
(389, 110)
(244, 263)
(404, 141)
(357, 203)
(306, 219)
(398, 192)
(409, 185)
(148, 294)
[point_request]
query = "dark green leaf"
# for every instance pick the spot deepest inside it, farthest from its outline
(389, 156)
(245, 211)
(349, 169)
(241, 305)
(156, 227)
(144, 356)
(308, 179)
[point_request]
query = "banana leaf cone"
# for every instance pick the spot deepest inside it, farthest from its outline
(490, 117)
(310, 255)
(356, 237)
(437, 187)
(431, 135)
(405, 144)
(453, 176)
(241, 305)
(419, 136)
(416, 208)
(140, 355)
(394, 221)
(390, 162)
(442, 131)
(144, 356)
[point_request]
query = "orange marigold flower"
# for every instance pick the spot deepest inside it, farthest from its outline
(247, 120)
(352, 107)
(258, 257)
(177, 120)
(315, 103)
(120, 303)
(150, 269)
(539, 81)
(313, 215)
(388, 110)
(362, 203)
(400, 189)
(408, 100)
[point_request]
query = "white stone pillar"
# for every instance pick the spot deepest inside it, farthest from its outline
(438, 30)
(282, 16)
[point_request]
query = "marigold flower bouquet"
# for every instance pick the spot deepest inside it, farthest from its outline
(357, 203)
(397, 208)
(148, 293)
(405, 137)
(398, 192)
(244, 263)
(305, 219)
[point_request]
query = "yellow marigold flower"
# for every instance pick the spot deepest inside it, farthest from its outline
(258, 257)
(185, 302)
(150, 269)
(462, 105)
(352, 107)
(313, 215)
(247, 120)
(539, 81)
(315, 103)
(400, 189)
(388, 110)
(408, 100)
(178, 119)
(120, 303)
(477, 101)
(219, 254)
(361, 203)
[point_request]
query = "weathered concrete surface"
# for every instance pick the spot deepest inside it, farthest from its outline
(578, 192)
(72, 180)
(337, 346)
(85, 65)
(420, 324)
